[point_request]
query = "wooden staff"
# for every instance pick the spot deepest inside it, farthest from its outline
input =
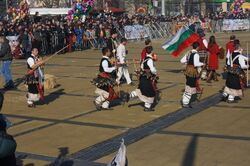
(135, 68)
(45, 60)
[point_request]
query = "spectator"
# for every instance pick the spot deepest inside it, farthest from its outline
(213, 64)
(5, 54)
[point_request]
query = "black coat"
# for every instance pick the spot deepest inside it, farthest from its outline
(5, 51)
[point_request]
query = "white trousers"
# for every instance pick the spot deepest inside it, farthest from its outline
(100, 100)
(32, 98)
(134, 94)
(123, 71)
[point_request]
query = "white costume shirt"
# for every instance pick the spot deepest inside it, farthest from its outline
(105, 65)
(242, 60)
(31, 62)
(197, 62)
(150, 64)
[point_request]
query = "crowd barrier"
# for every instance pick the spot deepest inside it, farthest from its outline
(235, 24)
(139, 32)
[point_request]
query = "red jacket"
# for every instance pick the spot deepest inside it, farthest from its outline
(230, 47)
(143, 54)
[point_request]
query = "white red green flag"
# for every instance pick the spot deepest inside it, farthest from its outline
(179, 42)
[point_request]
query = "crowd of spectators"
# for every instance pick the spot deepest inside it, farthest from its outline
(52, 33)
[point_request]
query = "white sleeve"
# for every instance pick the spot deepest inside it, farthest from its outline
(31, 62)
(150, 64)
(197, 62)
(242, 61)
(120, 54)
(205, 43)
(228, 58)
(184, 59)
(106, 67)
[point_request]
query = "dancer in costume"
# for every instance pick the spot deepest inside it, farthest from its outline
(203, 52)
(192, 59)
(34, 79)
(236, 76)
(105, 82)
(144, 53)
(146, 90)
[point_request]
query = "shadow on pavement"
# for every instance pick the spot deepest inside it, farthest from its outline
(189, 156)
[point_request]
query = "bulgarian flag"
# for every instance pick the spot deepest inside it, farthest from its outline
(183, 39)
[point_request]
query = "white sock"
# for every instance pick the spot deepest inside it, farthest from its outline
(105, 104)
(225, 94)
(99, 100)
(231, 98)
(147, 105)
(186, 98)
(133, 94)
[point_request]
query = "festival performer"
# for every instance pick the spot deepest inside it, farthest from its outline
(203, 51)
(192, 59)
(112, 43)
(123, 67)
(146, 90)
(236, 76)
(213, 63)
(143, 52)
(34, 79)
(105, 82)
(230, 49)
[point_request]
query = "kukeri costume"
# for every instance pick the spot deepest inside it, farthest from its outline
(193, 63)
(34, 81)
(236, 76)
(147, 83)
(203, 53)
(105, 83)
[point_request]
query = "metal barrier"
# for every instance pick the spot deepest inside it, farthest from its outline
(155, 30)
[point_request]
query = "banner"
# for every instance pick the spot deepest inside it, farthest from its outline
(235, 24)
(136, 32)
